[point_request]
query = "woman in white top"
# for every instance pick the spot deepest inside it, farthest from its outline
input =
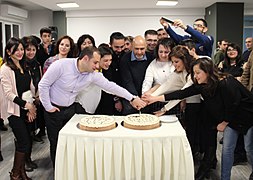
(160, 68)
(180, 79)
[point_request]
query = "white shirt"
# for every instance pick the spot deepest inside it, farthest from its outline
(157, 73)
(176, 81)
(89, 98)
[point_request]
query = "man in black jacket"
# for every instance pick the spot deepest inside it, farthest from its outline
(132, 69)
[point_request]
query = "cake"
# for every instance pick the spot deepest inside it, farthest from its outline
(97, 123)
(141, 121)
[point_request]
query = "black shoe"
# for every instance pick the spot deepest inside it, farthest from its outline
(1, 157)
(3, 127)
(29, 164)
(38, 139)
(28, 167)
(239, 160)
(34, 165)
(41, 134)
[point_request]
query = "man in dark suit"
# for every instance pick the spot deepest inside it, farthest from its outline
(133, 67)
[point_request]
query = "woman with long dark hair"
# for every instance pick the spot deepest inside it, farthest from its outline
(228, 106)
(180, 78)
(64, 48)
(16, 83)
(34, 68)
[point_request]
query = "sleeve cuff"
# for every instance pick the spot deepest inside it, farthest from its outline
(19, 101)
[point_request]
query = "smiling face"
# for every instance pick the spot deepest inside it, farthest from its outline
(162, 34)
(200, 75)
(151, 41)
(163, 53)
(86, 43)
(64, 47)
(200, 27)
(178, 63)
(105, 62)
(30, 52)
(128, 46)
(139, 47)
(118, 45)
(18, 54)
(232, 53)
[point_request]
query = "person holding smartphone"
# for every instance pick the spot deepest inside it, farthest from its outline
(204, 43)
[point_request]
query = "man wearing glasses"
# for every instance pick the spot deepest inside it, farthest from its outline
(204, 43)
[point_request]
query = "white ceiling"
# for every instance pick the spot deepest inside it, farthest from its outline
(116, 4)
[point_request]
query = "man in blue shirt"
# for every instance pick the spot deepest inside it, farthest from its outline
(204, 43)
(61, 84)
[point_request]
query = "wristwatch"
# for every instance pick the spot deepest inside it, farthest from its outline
(134, 97)
(163, 109)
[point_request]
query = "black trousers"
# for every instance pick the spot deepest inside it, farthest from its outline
(54, 122)
(192, 125)
(22, 131)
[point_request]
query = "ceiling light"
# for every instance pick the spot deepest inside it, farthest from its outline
(166, 3)
(67, 5)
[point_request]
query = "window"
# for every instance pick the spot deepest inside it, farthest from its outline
(1, 38)
(15, 30)
(7, 30)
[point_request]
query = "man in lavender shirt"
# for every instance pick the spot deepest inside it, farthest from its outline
(61, 84)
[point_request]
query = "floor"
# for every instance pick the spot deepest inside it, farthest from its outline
(40, 155)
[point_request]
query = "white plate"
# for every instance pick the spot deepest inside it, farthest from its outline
(168, 118)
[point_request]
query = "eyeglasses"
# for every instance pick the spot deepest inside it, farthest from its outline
(198, 26)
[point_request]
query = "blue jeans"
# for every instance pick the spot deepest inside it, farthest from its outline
(229, 142)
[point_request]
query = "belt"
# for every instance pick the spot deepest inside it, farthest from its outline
(61, 107)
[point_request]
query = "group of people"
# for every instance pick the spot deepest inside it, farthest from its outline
(48, 83)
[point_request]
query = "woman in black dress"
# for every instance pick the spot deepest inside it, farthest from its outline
(228, 108)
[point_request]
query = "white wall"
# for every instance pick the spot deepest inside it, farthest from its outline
(100, 24)
(39, 19)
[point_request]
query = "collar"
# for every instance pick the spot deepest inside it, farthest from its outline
(133, 57)
(76, 61)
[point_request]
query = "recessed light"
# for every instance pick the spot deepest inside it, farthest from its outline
(166, 3)
(67, 5)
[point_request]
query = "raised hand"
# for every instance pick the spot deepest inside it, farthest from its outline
(164, 23)
(179, 23)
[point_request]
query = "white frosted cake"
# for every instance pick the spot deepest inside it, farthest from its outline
(141, 121)
(97, 123)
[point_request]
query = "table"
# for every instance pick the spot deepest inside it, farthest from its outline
(121, 153)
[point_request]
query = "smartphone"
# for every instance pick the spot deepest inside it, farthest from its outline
(167, 20)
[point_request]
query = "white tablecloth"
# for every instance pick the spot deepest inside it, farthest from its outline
(121, 153)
